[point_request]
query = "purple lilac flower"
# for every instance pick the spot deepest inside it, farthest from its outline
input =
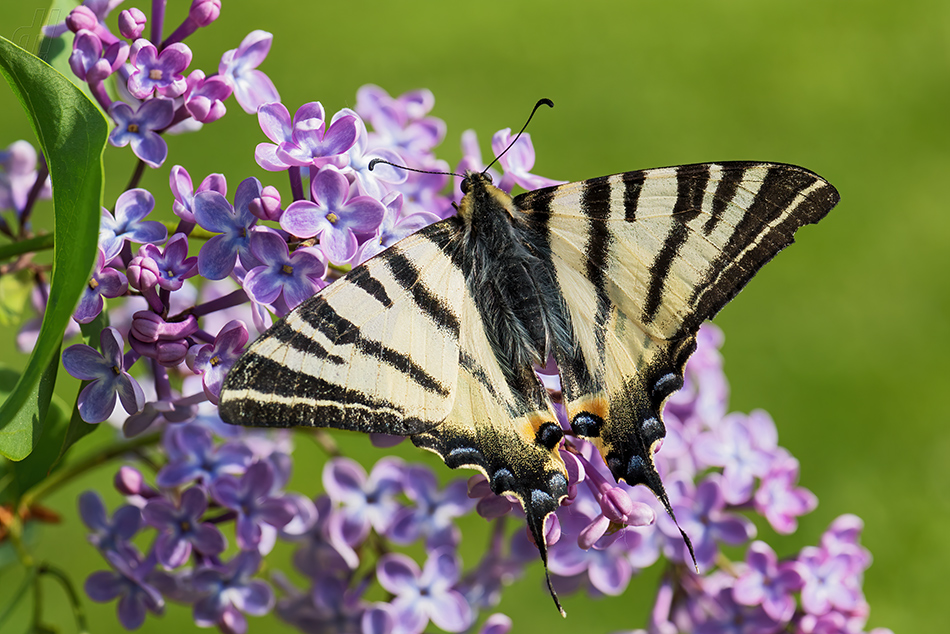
(335, 217)
(156, 338)
(517, 162)
(30, 331)
(425, 595)
(107, 375)
(267, 207)
(213, 212)
(138, 127)
(193, 457)
(99, 8)
(105, 282)
(382, 177)
(108, 534)
(703, 518)
(180, 528)
(129, 224)
(330, 607)
(204, 97)
(212, 361)
(433, 510)
(130, 584)
(779, 500)
(131, 23)
(843, 536)
(482, 586)
(274, 119)
(364, 502)
(830, 582)
(295, 276)
(230, 590)
(723, 614)
(239, 68)
(18, 175)
(173, 267)
(312, 144)
(88, 62)
(744, 446)
(180, 182)
(158, 72)
(260, 514)
(202, 13)
(393, 228)
(321, 553)
(401, 123)
(768, 582)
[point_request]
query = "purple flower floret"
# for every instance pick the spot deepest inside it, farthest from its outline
(18, 174)
(425, 595)
(394, 227)
(274, 119)
(779, 500)
(228, 591)
(744, 446)
(193, 457)
(517, 162)
(88, 62)
(433, 512)
(180, 182)
(158, 72)
(296, 276)
(239, 68)
(830, 581)
(204, 97)
(364, 502)
(138, 127)
(131, 584)
(107, 375)
(129, 223)
(212, 362)
(213, 212)
(259, 513)
(311, 143)
(105, 282)
(335, 217)
(180, 528)
(768, 582)
(108, 535)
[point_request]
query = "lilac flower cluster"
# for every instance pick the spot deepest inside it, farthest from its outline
(218, 501)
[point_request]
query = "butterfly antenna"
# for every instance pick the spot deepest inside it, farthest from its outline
(377, 161)
(689, 545)
(541, 102)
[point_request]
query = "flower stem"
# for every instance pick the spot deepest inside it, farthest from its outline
(30, 245)
(58, 478)
(136, 175)
(78, 612)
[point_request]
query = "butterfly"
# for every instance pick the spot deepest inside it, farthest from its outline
(438, 337)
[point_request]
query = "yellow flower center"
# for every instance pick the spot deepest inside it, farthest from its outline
(287, 269)
(332, 217)
(93, 284)
(133, 128)
(155, 74)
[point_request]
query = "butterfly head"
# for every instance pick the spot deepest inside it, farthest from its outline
(481, 198)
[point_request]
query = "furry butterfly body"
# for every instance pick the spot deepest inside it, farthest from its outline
(437, 338)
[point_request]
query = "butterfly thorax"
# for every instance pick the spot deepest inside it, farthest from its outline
(507, 276)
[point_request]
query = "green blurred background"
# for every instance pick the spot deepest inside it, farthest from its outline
(842, 338)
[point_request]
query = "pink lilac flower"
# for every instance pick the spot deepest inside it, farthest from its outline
(744, 446)
(401, 123)
(18, 175)
(131, 584)
(83, 18)
(158, 72)
(294, 276)
(213, 212)
(202, 13)
(382, 178)
(364, 502)
(204, 96)
(433, 511)
(193, 457)
(336, 216)
(180, 182)
(252, 87)
(830, 582)
(212, 361)
(108, 378)
(259, 513)
(393, 228)
(138, 127)
(517, 162)
(229, 591)
(843, 536)
(768, 582)
(129, 223)
(108, 534)
(100, 9)
(425, 595)
(105, 282)
(779, 500)
(131, 23)
(311, 143)
(181, 529)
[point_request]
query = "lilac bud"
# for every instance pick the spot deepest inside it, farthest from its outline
(150, 327)
(131, 23)
(143, 273)
(129, 481)
(168, 353)
(81, 18)
(267, 207)
(204, 12)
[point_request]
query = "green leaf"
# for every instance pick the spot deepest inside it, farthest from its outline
(72, 134)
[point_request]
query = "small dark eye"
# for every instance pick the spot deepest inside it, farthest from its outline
(487, 177)
(466, 186)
